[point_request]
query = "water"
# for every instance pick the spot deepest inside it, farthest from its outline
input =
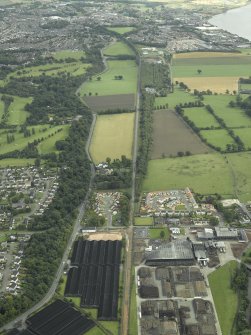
(236, 21)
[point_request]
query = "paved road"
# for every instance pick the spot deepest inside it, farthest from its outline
(21, 319)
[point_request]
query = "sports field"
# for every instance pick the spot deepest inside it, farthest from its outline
(201, 117)
(63, 54)
(225, 299)
(205, 174)
(20, 142)
(179, 96)
(118, 48)
(17, 113)
(112, 137)
(218, 138)
(233, 117)
(108, 85)
(121, 30)
(171, 135)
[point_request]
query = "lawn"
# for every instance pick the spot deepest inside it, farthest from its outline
(245, 136)
(48, 145)
(143, 221)
(133, 318)
(20, 142)
(16, 162)
(175, 98)
(17, 113)
(233, 117)
(155, 233)
(201, 117)
(121, 30)
(63, 54)
(205, 174)
(112, 137)
(225, 298)
(108, 85)
(240, 164)
(218, 138)
(118, 48)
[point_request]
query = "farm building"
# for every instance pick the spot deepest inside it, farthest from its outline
(178, 252)
(223, 233)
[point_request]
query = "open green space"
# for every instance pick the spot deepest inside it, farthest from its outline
(205, 174)
(106, 84)
(133, 322)
(236, 59)
(16, 162)
(218, 138)
(233, 117)
(179, 96)
(95, 331)
(112, 137)
(121, 30)
(245, 86)
(20, 142)
(143, 221)
(240, 166)
(221, 70)
(245, 136)
(64, 54)
(1, 108)
(48, 145)
(201, 117)
(17, 113)
(118, 48)
(225, 299)
(159, 233)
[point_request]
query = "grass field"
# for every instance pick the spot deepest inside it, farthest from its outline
(143, 221)
(225, 298)
(233, 117)
(245, 87)
(1, 108)
(205, 174)
(108, 85)
(219, 138)
(206, 54)
(95, 331)
(17, 114)
(221, 59)
(240, 165)
(112, 137)
(201, 117)
(48, 145)
(121, 30)
(245, 136)
(154, 233)
(63, 54)
(175, 98)
(110, 102)
(21, 142)
(118, 48)
(14, 162)
(171, 135)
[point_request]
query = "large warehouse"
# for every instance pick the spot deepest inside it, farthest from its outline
(177, 252)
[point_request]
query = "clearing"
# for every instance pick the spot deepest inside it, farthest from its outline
(112, 137)
(171, 135)
(225, 299)
(17, 113)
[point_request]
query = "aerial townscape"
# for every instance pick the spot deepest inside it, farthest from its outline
(125, 167)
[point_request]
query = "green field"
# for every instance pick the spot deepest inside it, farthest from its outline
(48, 145)
(201, 117)
(154, 233)
(240, 70)
(112, 137)
(121, 30)
(233, 117)
(17, 113)
(175, 98)
(143, 221)
(1, 108)
(16, 162)
(108, 85)
(240, 164)
(236, 59)
(205, 174)
(245, 136)
(225, 299)
(118, 48)
(21, 142)
(218, 138)
(63, 54)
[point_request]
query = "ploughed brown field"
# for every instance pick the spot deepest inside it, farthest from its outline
(171, 135)
(103, 103)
